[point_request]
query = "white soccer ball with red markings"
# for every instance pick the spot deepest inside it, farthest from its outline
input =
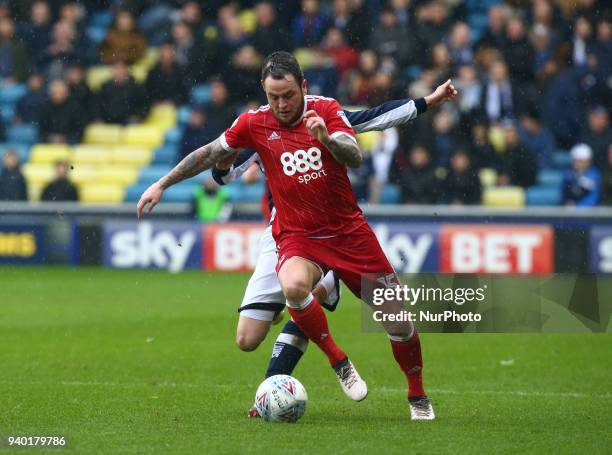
(281, 398)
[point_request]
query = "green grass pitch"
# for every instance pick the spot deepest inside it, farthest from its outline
(145, 362)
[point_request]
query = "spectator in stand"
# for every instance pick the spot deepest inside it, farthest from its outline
(221, 111)
(351, 18)
(37, 32)
(191, 14)
(233, 36)
(390, 39)
(244, 76)
(582, 41)
(79, 91)
(483, 155)
(199, 131)
(30, 105)
(432, 26)
(519, 166)
(461, 186)
(360, 82)
(14, 58)
(441, 62)
(166, 82)
(183, 40)
(121, 100)
(269, 35)
(60, 119)
(345, 57)
(442, 140)
(459, 46)
(606, 181)
(598, 135)
(537, 138)
(517, 51)
(470, 90)
(310, 25)
(494, 34)
(62, 51)
(419, 183)
(602, 48)
(210, 201)
(402, 10)
(199, 56)
(582, 184)
(60, 189)
(13, 186)
(382, 154)
(499, 94)
(123, 42)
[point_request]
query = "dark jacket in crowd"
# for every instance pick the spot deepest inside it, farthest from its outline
(64, 118)
(167, 85)
(13, 186)
(30, 105)
(117, 103)
(419, 185)
(461, 188)
(520, 165)
(60, 190)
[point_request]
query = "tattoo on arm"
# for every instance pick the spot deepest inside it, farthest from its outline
(197, 161)
(345, 150)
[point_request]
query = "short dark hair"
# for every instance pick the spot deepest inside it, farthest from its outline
(278, 64)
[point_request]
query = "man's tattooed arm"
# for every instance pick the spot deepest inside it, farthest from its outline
(345, 150)
(197, 161)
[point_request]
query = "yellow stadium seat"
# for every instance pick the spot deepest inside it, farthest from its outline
(503, 196)
(101, 193)
(38, 174)
(103, 133)
(49, 153)
(34, 192)
(132, 155)
(98, 75)
(91, 154)
(367, 141)
(488, 176)
(139, 72)
(81, 174)
(150, 58)
(305, 57)
(162, 116)
(149, 135)
(120, 175)
(248, 20)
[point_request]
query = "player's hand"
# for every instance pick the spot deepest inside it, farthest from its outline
(444, 92)
(150, 197)
(316, 127)
(227, 162)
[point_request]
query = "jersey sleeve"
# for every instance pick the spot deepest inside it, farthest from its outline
(238, 135)
(336, 121)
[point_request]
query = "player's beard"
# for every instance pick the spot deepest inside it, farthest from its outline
(293, 119)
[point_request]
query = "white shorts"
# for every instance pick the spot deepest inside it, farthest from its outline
(264, 297)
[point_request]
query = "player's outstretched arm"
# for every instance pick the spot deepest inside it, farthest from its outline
(342, 146)
(443, 93)
(197, 161)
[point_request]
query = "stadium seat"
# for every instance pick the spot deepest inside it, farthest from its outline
(561, 159)
(101, 18)
(134, 192)
(96, 33)
(182, 192)
(82, 173)
(38, 174)
(97, 76)
(133, 155)
(120, 175)
(165, 155)
(503, 196)
(103, 133)
(544, 195)
(7, 111)
(91, 154)
(22, 151)
(22, 134)
(184, 114)
(101, 193)
(369, 140)
(152, 173)
(240, 192)
(248, 20)
(305, 57)
(49, 153)
(35, 191)
(488, 176)
(200, 94)
(147, 135)
(550, 177)
(10, 94)
(139, 72)
(174, 136)
(163, 116)
(390, 194)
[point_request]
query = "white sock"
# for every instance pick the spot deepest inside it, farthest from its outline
(303, 304)
(328, 281)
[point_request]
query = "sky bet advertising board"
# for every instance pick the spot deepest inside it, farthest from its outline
(22, 244)
(600, 250)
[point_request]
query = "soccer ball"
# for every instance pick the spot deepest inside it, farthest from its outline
(281, 398)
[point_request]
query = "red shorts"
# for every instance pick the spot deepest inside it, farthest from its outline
(353, 257)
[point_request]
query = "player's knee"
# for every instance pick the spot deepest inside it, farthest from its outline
(400, 330)
(247, 342)
(296, 292)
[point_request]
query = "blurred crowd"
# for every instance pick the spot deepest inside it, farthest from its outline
(534, 77)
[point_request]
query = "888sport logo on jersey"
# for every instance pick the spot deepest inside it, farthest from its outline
(308, 164)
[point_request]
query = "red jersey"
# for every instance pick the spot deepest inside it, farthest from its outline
(311, 190)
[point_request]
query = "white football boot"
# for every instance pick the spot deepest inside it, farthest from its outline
(421, 408)
(353, 386)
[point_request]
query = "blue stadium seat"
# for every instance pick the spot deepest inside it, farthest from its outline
(22, 150)
(543, 195)
(22, 134)
(173, 136)
(97, 33)
(134, 192)
(240, 192)
(561, 159)
(10, 94)
(390, 194)
(7, 111)
(184, 114)
(152, 173)
(165, 155)
(200, 94)
(550, 177)
(101, 19)
(182, 192)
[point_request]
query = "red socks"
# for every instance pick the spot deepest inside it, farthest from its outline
(408, 356)
(312, 321)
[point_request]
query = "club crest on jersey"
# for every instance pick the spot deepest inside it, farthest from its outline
(274, 136)
(342, 115)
